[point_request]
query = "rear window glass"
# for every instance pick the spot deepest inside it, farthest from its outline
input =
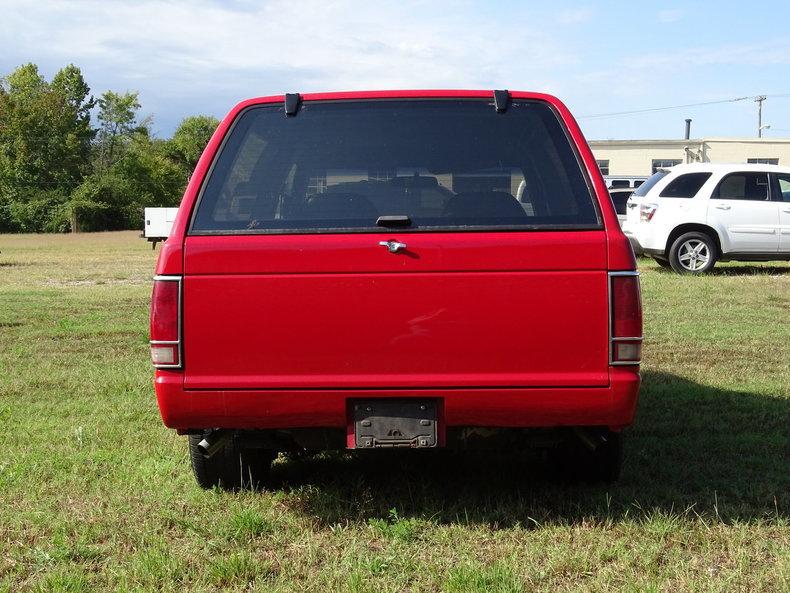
(685, 186)
(651, 181)
(443, 164)
(620, 200)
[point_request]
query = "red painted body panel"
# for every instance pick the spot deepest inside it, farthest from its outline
(425, 252)
(340, 311)
(282, 330)
(388, 330)
(613, 406)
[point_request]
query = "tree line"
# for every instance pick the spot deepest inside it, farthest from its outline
(72, 162)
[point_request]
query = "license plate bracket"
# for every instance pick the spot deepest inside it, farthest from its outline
(386, 423)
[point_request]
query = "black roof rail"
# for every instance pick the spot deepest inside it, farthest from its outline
(501, 99)
(292, 101)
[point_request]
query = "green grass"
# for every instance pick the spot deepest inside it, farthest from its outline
(96, 495)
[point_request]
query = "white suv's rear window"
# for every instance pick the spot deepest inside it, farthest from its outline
(685, 186)
(642, 190)
(435, 164)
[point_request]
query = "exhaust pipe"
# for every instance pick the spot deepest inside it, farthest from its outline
(214, 442)
(591, 439)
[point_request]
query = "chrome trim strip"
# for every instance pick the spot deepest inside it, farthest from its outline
(613, 339)
(624, 363)
(168, 278)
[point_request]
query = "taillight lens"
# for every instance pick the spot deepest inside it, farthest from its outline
(165, 322)
(647, 211)
(626, 318)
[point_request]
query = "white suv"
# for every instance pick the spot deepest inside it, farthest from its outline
(690, 216)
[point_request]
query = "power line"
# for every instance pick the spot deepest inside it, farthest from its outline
(654, 109)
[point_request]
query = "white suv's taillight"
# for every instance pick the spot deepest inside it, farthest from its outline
(166, 322)
(646, 212)
(625, 318)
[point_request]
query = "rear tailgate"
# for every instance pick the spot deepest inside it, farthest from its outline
(497, 309)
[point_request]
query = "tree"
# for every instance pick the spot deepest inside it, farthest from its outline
(45, 138)
(59, 173)
(191, 137)
(71, 86)
(25, 82)
(114, 198)
(117, 122)
(23, 130)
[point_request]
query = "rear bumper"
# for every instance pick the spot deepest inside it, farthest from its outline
(647, 238)
(613, 406)
(634, 244)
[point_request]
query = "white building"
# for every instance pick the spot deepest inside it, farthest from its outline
(642, 157)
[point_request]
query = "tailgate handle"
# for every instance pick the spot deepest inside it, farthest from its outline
(393, 246)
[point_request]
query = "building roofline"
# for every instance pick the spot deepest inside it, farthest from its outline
(684, 141)
(727, 167)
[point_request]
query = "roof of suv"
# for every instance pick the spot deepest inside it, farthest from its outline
(725, 168)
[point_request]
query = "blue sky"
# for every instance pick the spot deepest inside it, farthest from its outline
(599, 57)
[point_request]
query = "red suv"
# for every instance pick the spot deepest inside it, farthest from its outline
(396, 269)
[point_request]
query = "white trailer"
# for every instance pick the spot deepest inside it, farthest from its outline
(158, 222)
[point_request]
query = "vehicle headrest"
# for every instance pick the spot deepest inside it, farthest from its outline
(415, 181)
(341, 206)
(490, 204)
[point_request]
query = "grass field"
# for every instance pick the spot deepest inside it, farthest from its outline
(96, 495)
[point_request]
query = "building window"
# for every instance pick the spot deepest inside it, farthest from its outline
(664, 163)
(762, 161)
(603, 166)
(316, 185)
(381, 174)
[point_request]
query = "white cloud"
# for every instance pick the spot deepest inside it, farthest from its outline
(213, 53)
(574, 16)
(771, 52)
(312, 45)
(201, 56)
(670, 15)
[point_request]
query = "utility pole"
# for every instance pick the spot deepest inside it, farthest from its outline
(759, 100)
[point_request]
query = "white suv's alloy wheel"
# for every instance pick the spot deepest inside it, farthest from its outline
(693, 255)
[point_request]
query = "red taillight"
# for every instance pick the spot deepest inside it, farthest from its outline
(165, 322)
(647, 212)
(625, 318)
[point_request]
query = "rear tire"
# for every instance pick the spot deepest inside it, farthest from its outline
(664, 263)
(231, 468)
(693, 253)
